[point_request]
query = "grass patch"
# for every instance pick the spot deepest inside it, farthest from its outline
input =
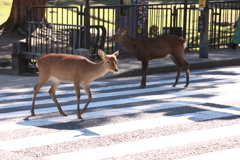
(6, 59)
(5, 10)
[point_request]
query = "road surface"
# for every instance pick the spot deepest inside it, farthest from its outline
(123, 121)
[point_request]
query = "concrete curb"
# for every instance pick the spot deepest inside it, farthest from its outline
(8, 71)
(156, 70)
(132, 67)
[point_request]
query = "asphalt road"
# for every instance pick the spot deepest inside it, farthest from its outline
(125, 122)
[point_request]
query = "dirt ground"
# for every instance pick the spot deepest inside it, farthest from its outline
(6, 40)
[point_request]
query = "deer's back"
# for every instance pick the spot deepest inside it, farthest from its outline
(159, 47)
(62, 66)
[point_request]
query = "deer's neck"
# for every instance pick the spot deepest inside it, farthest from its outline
(129, 44)
(98, 70)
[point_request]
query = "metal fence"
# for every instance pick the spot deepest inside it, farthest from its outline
(169, 18)
(59, 30)
(64, 29)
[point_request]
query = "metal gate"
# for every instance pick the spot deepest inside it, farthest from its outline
(61, 30)
(173, 18)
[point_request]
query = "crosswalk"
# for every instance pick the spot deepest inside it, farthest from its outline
(125, 122)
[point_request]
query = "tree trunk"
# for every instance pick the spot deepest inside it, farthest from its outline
(18, 16)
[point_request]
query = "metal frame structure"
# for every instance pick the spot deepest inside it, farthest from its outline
(64, 29)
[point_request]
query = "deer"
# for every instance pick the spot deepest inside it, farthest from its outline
(74, 69)
(146, 49)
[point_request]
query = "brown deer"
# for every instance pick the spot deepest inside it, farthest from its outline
(154, 48)
(75, 69)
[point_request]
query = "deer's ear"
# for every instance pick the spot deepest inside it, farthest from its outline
(116, 53)
(101, 54)
(126, 28)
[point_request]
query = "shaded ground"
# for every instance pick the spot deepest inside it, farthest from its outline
(6, 40)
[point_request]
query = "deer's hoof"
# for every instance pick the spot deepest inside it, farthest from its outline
(63, 114)
(33, 114)
(79, 115)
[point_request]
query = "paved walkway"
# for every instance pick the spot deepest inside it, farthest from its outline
(132, 67)
(216, 58)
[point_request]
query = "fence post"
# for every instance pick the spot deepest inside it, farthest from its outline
(19, 65)
(203, 47)
(185, 18)
(87, 25)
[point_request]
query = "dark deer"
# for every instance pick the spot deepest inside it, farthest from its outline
(154, 48)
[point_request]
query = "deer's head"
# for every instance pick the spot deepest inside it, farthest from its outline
(117, 37)
(110, 61)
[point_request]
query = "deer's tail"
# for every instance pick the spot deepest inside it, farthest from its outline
(184, 42)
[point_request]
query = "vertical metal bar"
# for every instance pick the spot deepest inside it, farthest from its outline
(227, 38)
(36, 38)
(28, 38)
(81, 20)
(203, 52)
(61, 29)
(174, 16)
(189, 24)
(51, 29)
(114, 10)
(47, 34)
(73, 28)
(103, 24)
(87, 25)
(108, 29)
(78, 29)
(219, 26)
(185, 18)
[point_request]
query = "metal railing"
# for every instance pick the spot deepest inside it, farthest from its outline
(59, 30)
(168, 18)
(62, 29)
(57, 38)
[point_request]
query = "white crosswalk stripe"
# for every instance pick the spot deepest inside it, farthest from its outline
(125, 122)
(233, 154)
(111, 102)
(153, 143)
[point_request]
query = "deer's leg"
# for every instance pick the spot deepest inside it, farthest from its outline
(52, 91)
(78, 94)
(187, 66)
(180, 61)
(144, 73)
(88, 92)
(176, 61)
(40, 83)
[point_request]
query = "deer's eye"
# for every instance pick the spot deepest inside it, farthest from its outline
(108, 61)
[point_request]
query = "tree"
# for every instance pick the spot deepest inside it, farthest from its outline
(18, 16)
